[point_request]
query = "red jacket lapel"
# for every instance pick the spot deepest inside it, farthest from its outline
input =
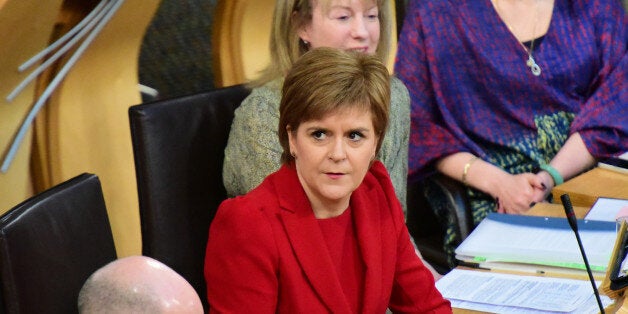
(365, 203)
(307, 240)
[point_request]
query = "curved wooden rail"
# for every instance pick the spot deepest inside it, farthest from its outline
(240, 39)
(84, 127)
(25, 28)
(88, 125)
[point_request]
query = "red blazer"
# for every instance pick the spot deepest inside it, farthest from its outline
(266, 253)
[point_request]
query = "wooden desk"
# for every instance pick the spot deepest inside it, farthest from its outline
(556, 210)
(585, 189)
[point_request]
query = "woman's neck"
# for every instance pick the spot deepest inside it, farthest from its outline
(526, 19)
(329, 209)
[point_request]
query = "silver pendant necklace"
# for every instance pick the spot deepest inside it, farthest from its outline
(531, 63)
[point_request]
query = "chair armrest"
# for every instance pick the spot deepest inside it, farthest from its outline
(457, 202)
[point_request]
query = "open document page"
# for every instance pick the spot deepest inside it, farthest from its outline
(538, 241)
(607, 209)
(505, 293)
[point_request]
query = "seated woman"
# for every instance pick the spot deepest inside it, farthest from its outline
(324, 233)
(513, 97)
(253, 150)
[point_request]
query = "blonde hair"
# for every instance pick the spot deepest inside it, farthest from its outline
(326, 80)
(286, 46)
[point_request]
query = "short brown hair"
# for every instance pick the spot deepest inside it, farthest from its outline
(285, 45)
(325, 80)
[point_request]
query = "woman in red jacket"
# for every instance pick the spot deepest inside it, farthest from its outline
(325, 233)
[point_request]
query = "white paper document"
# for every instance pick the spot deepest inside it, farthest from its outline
(538, 240)
(505, 293)
(613, 163)
(606, 209)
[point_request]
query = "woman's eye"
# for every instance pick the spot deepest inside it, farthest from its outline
(373, 13)
(355, 136)
(339, 14)
(319, 135)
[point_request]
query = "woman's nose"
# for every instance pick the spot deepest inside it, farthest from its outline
(358, 28)
(337, 151)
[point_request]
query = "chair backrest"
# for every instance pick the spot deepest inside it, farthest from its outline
(178, 145)
(50, 244)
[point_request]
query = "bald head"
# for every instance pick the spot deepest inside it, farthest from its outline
(137, 284)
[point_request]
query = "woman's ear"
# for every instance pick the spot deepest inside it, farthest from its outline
(302, 29)
(291, 140)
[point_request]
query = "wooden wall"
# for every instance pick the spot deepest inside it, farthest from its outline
(85, 126)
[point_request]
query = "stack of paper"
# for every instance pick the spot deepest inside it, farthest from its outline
(537, 244)
(504, 293)
(619, 163)
(607, 209)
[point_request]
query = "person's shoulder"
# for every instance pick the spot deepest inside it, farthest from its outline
(591, 4)
(399, 95)
(261, 105)
(250, 208)
(248, 220)
(603, 10)
(270, 89)
(397, 86)
(257, 199)
(432, 6)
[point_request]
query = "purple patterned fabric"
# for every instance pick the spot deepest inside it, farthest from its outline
(472, 91)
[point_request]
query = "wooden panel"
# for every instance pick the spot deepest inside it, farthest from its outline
(556, 210)
(70, 14)
(240, 39)
(393, 38)
(88, 122)
(585, 189)
(25, 28)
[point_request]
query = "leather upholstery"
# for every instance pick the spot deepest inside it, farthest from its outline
(178, 145)
(426, 228)
(50, 244)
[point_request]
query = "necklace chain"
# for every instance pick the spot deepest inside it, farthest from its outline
(531, 63)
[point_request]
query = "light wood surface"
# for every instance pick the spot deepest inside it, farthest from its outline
(556, 210)
(84, 127)
(25, 28)
(585, 189)
(88, 119)
(240, 40)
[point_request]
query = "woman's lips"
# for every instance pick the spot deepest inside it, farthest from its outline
(334, 175)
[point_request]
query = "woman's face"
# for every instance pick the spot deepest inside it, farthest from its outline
(344, 24)
(332, 156)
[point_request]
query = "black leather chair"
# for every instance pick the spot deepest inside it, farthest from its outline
(178, 145)
(50, 244)
(426, 228)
